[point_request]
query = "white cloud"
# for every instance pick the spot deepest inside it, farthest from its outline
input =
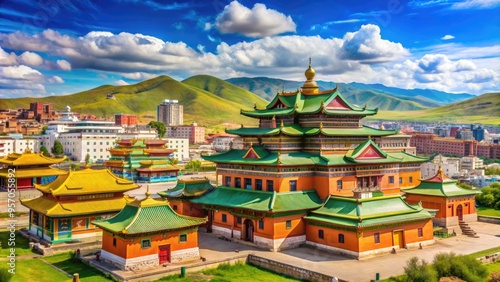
(20, 72)
(475, 4)
(7, 59)
(63, 65)
(55, 79)
(138, 75)
(121, 82)
(367, 45)
(30, 59)
(257, 22)
(447, 37)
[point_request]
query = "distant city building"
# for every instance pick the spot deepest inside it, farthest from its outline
(15, 143)
(181, 146)
(40, 112)
(465, 134)
(471, 163)
(193, 132)
(125, 120)
(430, 169)
(224, 142)
(491, 150)
(170, 112)
(430, 143)
(477, 132)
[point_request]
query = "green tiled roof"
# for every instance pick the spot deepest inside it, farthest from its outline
(367, 212)
(147, 216)
(361, 147)
(441, 189)
(297, 130)
(261, 201)
(188, 188)
(308, 104)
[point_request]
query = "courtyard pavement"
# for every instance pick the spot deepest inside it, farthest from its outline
(214, 249)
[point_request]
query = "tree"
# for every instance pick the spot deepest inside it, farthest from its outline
(87, 158)
(58, 149)
(160, 127)
(44, 129)
(173, 161)
(464, 185)
(75, 167)
(419, 271)
(194, 165)
(44, 151)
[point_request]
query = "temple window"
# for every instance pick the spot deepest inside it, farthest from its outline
(175, 207)
(341, 238)
(146, 243)
(237, 182)
(401, 180)
(227, 181)
(420, 232)
(114, 242)
(391, 179)
(258, 184)
(238, 220)
(321, 234)
(288, 224)
(293, 185)
(248, 183)
(377, 238)
(224, 217)
(261, 224)
(410, 179)
(270, 185)
(183, 238)
(339, 184)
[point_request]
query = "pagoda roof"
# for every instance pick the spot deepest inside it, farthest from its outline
(87, 181)
(33, 172)
(360, 213)
(51, 207)
(329, 102)
(148, 216)
(158, 168)
(441, 186)
(298, 130)
(261, 201)
(188, 188)
(29, 158)
(240, 156)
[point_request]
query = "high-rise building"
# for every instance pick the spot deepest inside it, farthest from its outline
(170, 112)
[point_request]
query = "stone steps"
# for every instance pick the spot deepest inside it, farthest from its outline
(467, 230)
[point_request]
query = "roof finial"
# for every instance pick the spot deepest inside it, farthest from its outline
(283, 88)
(310, 64)
(147, 192)
(320, 125)
(282, 124)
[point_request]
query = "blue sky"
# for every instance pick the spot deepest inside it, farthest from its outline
(57, 47)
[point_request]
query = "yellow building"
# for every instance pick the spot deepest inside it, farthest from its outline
(71, 202)
(28, 169)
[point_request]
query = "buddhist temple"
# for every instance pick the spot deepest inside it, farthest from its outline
(187, 189)
(362, 228)
(453, 204)
(28, 169)
(148, 233)
(310, 146)
(144, 161)
(70, 203)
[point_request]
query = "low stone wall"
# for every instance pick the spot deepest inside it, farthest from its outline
(488, 219)
(290, 270)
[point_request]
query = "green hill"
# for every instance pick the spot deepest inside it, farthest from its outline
(483, 109)
(142, 98)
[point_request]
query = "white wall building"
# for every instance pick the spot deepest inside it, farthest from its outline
(182, 147)
(15, 143)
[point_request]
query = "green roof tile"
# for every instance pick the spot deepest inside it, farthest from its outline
(261, 201)
(147, 216)
(188, 188)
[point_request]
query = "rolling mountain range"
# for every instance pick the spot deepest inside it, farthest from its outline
(211, 101)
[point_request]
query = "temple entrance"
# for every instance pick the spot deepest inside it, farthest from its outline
(460, 212)
(164, 253)
(398, 238)
(248, 230)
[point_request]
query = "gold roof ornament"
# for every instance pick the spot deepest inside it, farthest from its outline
(279, 155)
(282, 124)
(310, 86)
(320, 125)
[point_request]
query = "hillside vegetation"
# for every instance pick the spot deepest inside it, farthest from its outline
(205, 107)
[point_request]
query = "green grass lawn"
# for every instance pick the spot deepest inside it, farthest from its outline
(35, 270)
(485, 252)
(488, 211)
(22, 245)
(87, 273)
(238, 272)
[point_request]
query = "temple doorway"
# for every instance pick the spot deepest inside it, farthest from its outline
(460, 212)
(248, 230)
(164, 254)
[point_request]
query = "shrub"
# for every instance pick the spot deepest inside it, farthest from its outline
(5, 275)
(494, 277)
(419, 271)
(463, 267)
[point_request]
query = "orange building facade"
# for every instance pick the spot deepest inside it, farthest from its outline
(452, 203)
(309, 147)
(148, 233)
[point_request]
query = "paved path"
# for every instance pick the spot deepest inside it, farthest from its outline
(355, 270)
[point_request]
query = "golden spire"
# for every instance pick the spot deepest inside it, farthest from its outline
(310, 86)
(282, 124)
(147, 192)
(320, 125)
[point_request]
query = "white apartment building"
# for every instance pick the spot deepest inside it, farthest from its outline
(471, 163)
(182, 147)
(15, 143)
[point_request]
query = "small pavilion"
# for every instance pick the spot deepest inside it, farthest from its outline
(454, 204)
(148, 233)
(187, 189)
